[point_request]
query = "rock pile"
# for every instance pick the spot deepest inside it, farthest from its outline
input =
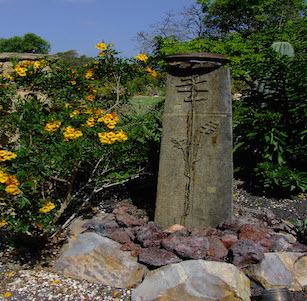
(253, 243)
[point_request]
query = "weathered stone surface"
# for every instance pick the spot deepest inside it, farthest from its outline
(129, 246)
(245, 252)
(216, 248)
(150, 235)
(195, 172)
(99, 259)
(205, 231)
(266, 215)
(281, 269)
(157, 257)
(119, 235)
(187, 247)
(194, 280)
(124, 214)
(254, 233)
(235, 224)
(229, 239)
(280, 244)
(175, 228)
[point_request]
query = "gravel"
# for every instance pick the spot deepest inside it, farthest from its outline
(27, 276)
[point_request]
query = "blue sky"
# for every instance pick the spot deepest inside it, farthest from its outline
(81, 24)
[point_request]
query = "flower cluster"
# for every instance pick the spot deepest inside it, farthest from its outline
(5, 155)
(89, 74)
(109, 120)
(112, 137)
(142, 57)
(71, 134)
(9, 180)
(22, 67)
(151, 72)
(52, 126)
(49, 206)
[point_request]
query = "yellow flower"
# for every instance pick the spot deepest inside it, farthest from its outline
(102, 46)
(6, 295)
(47, 208)
(142, 57)
(71, 134)
(1, 107)
(3, 223)
(90, 97)
(4, 155)
(73, 82)
(75, 112)
(12, 189)
(12, 181)
(52, 126)
(3, 177)
(89, 74)
(10, 155)
(90, 122)
(37, 65)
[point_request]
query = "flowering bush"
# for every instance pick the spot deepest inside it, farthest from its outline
(61, 139)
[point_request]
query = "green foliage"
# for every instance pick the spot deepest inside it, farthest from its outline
(71, 59)
(64, 141)
(300, 227)
(29, 43)
(271, 127)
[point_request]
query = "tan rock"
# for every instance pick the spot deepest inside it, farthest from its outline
(281, 269)
(98, 259)
(194, 280)
(175, 228)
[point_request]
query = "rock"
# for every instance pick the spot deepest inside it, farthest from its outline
(298, 247)
(205, 231)
(280, 243)
(129, 246)
(235, 224)
(175, 228)
(281, 269)
(124, 215)
(254, 233)
(98, 259)
(194, 280)
(245, 252)
(119, 235)
(187, 247)
(157, 257)
(229, 239)
(266, 215)
(216, 248)
(101, 226)
(150, 235)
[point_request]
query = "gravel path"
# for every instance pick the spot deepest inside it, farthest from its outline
(35, 281)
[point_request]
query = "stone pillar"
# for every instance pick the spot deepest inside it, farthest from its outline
(195, 171)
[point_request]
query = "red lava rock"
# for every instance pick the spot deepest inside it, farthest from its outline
(205, 231)
(150, 235)
(216, 248)
(266, 215)
(124, 218)
(187, 247)
(254, 233)
(298, 247)
(119, 235)
(136, 252)
(157, 257)
(266, 244)
(129, 246)
(245, 252)
(280, 244)
(229, 239)
(235, 224)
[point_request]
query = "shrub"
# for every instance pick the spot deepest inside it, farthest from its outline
(64, 142)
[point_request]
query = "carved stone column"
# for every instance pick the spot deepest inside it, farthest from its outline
(195, 172)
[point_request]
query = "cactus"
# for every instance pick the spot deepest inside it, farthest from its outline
(283, 48)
